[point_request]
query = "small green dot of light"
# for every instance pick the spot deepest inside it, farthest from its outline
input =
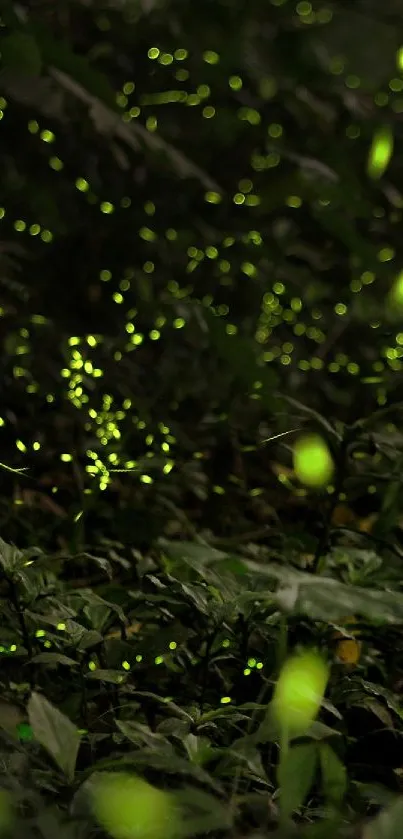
(56, 164)
(212, 197)
(352, 81)
(386, 254)
(106, 207)
(82, 185)
(211, 57)
(180, 54)
(235, 83)
(381, 99)
(153, 53)
(304, 8)
(47, 136)
(367, 277)
(275, 130)
(294, 201)
(128, 88)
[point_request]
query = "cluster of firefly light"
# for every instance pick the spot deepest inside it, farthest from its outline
(93, 665)
(82, 358)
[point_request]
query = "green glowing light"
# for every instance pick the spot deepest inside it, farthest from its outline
(313, 464)
(299, 692)
(380, 152)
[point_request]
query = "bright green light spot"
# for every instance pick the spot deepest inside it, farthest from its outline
(304, 8)
(208, 112)
(66, 458)
(294, 201)
(299, 692)
(395, 297)
(180, 54)
(380, 152)
(129, 808)
(212, 197)
(386, 254)
(153, 53)
(235, 83)
(225, 700)
(56, 164)
(313, 464)
(211, 57)
(106, 207)
(47, 136)
(82, 185)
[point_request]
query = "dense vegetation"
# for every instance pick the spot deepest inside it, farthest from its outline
(200, 265)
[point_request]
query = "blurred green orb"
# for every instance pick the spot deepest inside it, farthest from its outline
(129, 808)
(394, 301)
(313, 463)
(299, 692)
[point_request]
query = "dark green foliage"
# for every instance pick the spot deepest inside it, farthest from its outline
(200, 259)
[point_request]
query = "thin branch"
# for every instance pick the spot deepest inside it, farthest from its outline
(133, 133)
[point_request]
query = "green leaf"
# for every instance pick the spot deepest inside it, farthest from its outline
(202, 812)
(324, 598)
(334, 775)
(165, 761)
(55, 732)
(11, 716)
(113, 677)
(296, 773)
(388, 825)
(54, 658)
(12, 559)
(20, 54)
(141, 735)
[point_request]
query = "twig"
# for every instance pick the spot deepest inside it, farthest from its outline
(131, 135)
